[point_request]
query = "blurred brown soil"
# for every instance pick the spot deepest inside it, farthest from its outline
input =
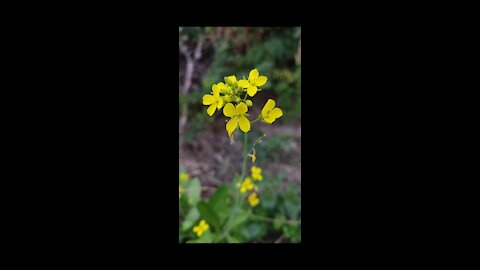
(212, 158)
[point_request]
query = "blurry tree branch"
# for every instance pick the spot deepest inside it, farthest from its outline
(191, 57)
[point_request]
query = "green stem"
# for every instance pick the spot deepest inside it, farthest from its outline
(236, 205)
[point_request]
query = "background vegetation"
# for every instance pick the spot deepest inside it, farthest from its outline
(206, 55)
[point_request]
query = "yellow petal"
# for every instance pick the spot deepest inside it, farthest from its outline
(252, 77)
(244, 124)
(261, 81)
(252, 90)
(269, 120)
(211, 109)
(219, 103)
(241, 108)
(229, 110)
(231, 79)
(268, 107)
(216, 90)
(196, 229)
(208, 99)
(232, 125)
(275, 113)
(243, 83)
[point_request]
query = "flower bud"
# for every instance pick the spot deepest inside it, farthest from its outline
(238, 99)
(249, 103)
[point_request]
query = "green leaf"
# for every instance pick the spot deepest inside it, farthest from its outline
(241, 218)
(194, 191)
(190, 219)
(208, 214)
(278, 222)
(219, 203)
(269, 201)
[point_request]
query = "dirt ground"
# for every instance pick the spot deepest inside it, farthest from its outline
(212, 158)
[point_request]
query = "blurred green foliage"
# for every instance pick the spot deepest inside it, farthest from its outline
(278, 216)
(274, 51)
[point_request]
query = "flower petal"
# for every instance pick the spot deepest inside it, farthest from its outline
(244, 124)
(216, 90)
(261, 81)
(253, 75)
(229, 110)
(219, 103)
(243, 83)
(268, 107)
(211, 109)
(269, 120)
(231, 79)
(232, 125)
(275, 113)
(208, 99)
(252, 90)
(241, 108)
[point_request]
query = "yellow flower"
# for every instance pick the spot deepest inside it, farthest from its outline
(253, 157)
(184, 176)
(215, 101)
(180, 190)
(201, 228)
(270, 113)
(231, 80)
(246, 185)
(253, 81)
(257, 173)
(237, 115)
(253, 200)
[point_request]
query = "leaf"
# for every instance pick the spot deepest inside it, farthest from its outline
(241, 217)
(207, 238)
(190, 219)
(194, 191)
(219, 203)
(208, 214)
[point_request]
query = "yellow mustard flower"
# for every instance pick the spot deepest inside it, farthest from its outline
(180, 190)
(270, 113)
(231, 80)
(201, 228)
(253, 82)
(253, 199)
(246, 185)
(257, 173)
(184, 176)
(215, 101)
(237, 115)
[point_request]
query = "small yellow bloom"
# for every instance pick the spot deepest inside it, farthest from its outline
(246, 185)
(253, 81)
(253, 157)
(180, 190)
(257, 173)
(270, 113)
(215, 101)
(184, 176)
(231, 80)
(201, 228)
(253, 200)
(237, 115)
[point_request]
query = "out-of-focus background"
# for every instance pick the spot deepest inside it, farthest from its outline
(206, 55)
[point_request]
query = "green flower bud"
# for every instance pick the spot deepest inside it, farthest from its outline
(238, 100)
(249, 103)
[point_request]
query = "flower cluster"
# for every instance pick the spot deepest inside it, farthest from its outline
(201, 228)
(233, 97)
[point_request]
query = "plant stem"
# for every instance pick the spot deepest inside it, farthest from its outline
(236, 205)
